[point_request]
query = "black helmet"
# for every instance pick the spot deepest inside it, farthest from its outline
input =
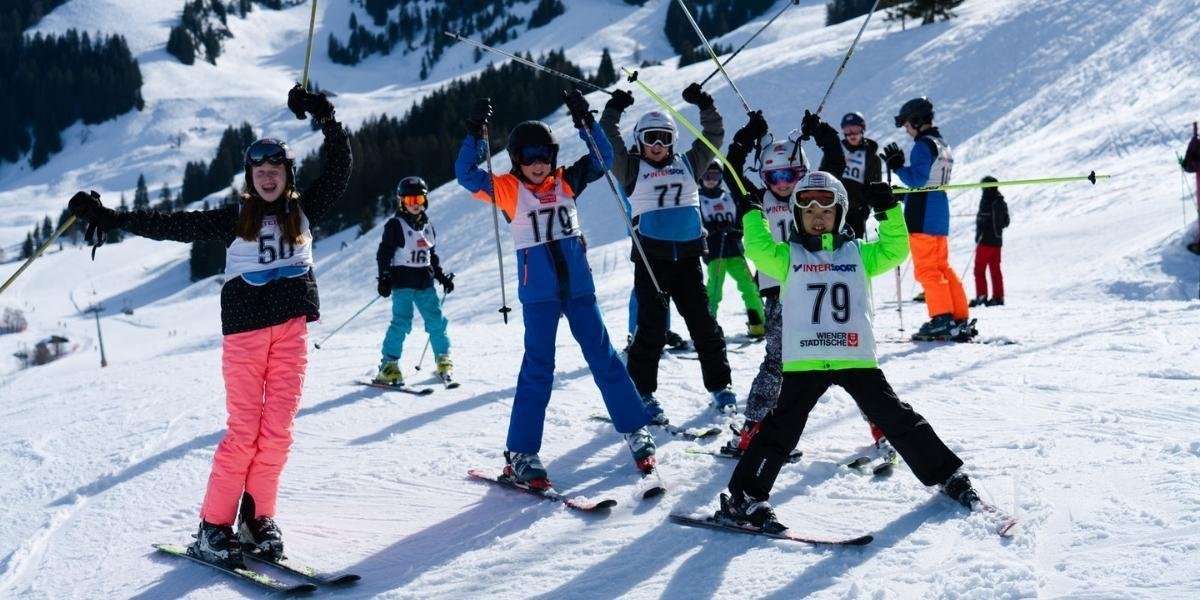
(918, 112)
(531, 133)
(855, 118)
(273, 151)
(412, 186)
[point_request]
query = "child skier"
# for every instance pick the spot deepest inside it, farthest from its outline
(664, 203)
(863, 166)
(269, 295)
(990, 222)
(408, 265)
(538, 200)
(725, 250)
(928, 217)
(828, 340)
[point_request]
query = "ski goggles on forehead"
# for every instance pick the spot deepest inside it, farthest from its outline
(417, 200)
(814, 199)
(535, 154)
(779, 176)
(266, 151)
(662, 137)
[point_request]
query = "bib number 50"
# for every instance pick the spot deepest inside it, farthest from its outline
(267, 252)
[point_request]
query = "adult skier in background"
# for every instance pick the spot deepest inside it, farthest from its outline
(863, 166)
(990, 222)
(537, 198)
(408, 264)
(725, 251)
(661, 188)
(269, 296)
(828, 340)
(928, 218)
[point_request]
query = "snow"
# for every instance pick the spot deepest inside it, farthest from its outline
(1085, 427)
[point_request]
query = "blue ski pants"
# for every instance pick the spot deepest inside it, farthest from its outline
(427, 302)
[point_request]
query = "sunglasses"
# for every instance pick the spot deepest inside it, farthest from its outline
(779, 176)
(535, 154)
(820, 201)
(266, 151)
(661, 137)
(418, 200)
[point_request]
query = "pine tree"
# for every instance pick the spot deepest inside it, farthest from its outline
(27, 247)
(606, 75)
(928, 10)
(47, 228)
(165, 202)
(141, 195)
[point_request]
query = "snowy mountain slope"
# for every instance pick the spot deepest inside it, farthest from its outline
(1085, 427)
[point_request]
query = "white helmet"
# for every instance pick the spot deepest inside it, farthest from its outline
(783, 155)
(655, 121)
(821, 180)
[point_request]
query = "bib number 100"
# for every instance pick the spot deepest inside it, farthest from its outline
(562, 214)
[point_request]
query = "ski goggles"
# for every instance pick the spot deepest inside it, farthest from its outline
(270, 151)
(817, 197)
(417, 200)
(661, 137)
(778, 176)
(711, 175)
(852, 131)
(535, 154)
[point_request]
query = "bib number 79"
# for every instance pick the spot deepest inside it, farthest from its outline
(839, 300)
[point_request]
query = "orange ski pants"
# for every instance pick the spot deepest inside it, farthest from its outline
(931, 267)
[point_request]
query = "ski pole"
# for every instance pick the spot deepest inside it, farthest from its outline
(899, 299)
(529, 63)
(312, 24)
(747, 42)
(487, 144)
(46, 244)
(612, 185)
(708, 46)
(1092, 177)
(846, 59)
(420, 362)
(352, 317)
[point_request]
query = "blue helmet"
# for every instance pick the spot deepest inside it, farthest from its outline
(854, 118)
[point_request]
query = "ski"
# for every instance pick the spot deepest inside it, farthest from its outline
(1006, 524)
(447, 381)
(650, 486)
(303, 570)
(875, 465)
(580, 504)
(398, 388)
(714, 523)
(250, 575)
(694, 433)
(724, 451)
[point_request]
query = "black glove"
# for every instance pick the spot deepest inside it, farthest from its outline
(577, 105)
(384, 284)
(87, 206)
(879, 197)
(745, 202)
(809, 124)
(481, 113)
(752, 131)
(827, 138)
(620, 100)
(694, 94)
(302, 101)
(893, 156)
(447, 281)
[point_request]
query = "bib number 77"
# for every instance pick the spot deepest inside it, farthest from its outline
(839, 300)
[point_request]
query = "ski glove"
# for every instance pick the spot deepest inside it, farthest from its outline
(694, 94)
(447, 281)
(480, 115)
(302, 101)
(879, 196)
(620, 101)
(752, 131)
(577, 105)
(87, 206)
(384, 285)
(893, 156)
(809, 124)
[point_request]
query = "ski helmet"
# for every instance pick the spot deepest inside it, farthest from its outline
(412, 186)
(822, 181)
(528, 134)
(782, 155)
(269, 150)
(918, 112)
(655, 121)
(854, 118)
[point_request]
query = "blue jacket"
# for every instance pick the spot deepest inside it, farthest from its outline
(925, 212)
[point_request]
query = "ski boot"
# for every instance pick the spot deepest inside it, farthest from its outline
(526, 469)
(725, 401)
(941, 327)
(755, 328)
(978, 301)
(744, 510)
(675, 342)
(445, 369)
(654, 409)
(261, 537)
(958, 487)
(389, 374)
(995, 302)
(217, 544)
(738, 445)
(641, 444)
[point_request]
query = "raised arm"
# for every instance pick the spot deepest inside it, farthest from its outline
(711, 125)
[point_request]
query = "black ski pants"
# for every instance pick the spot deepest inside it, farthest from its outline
(912, 436)
(683, 281)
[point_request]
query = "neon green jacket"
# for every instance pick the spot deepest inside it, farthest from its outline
(775, 259)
